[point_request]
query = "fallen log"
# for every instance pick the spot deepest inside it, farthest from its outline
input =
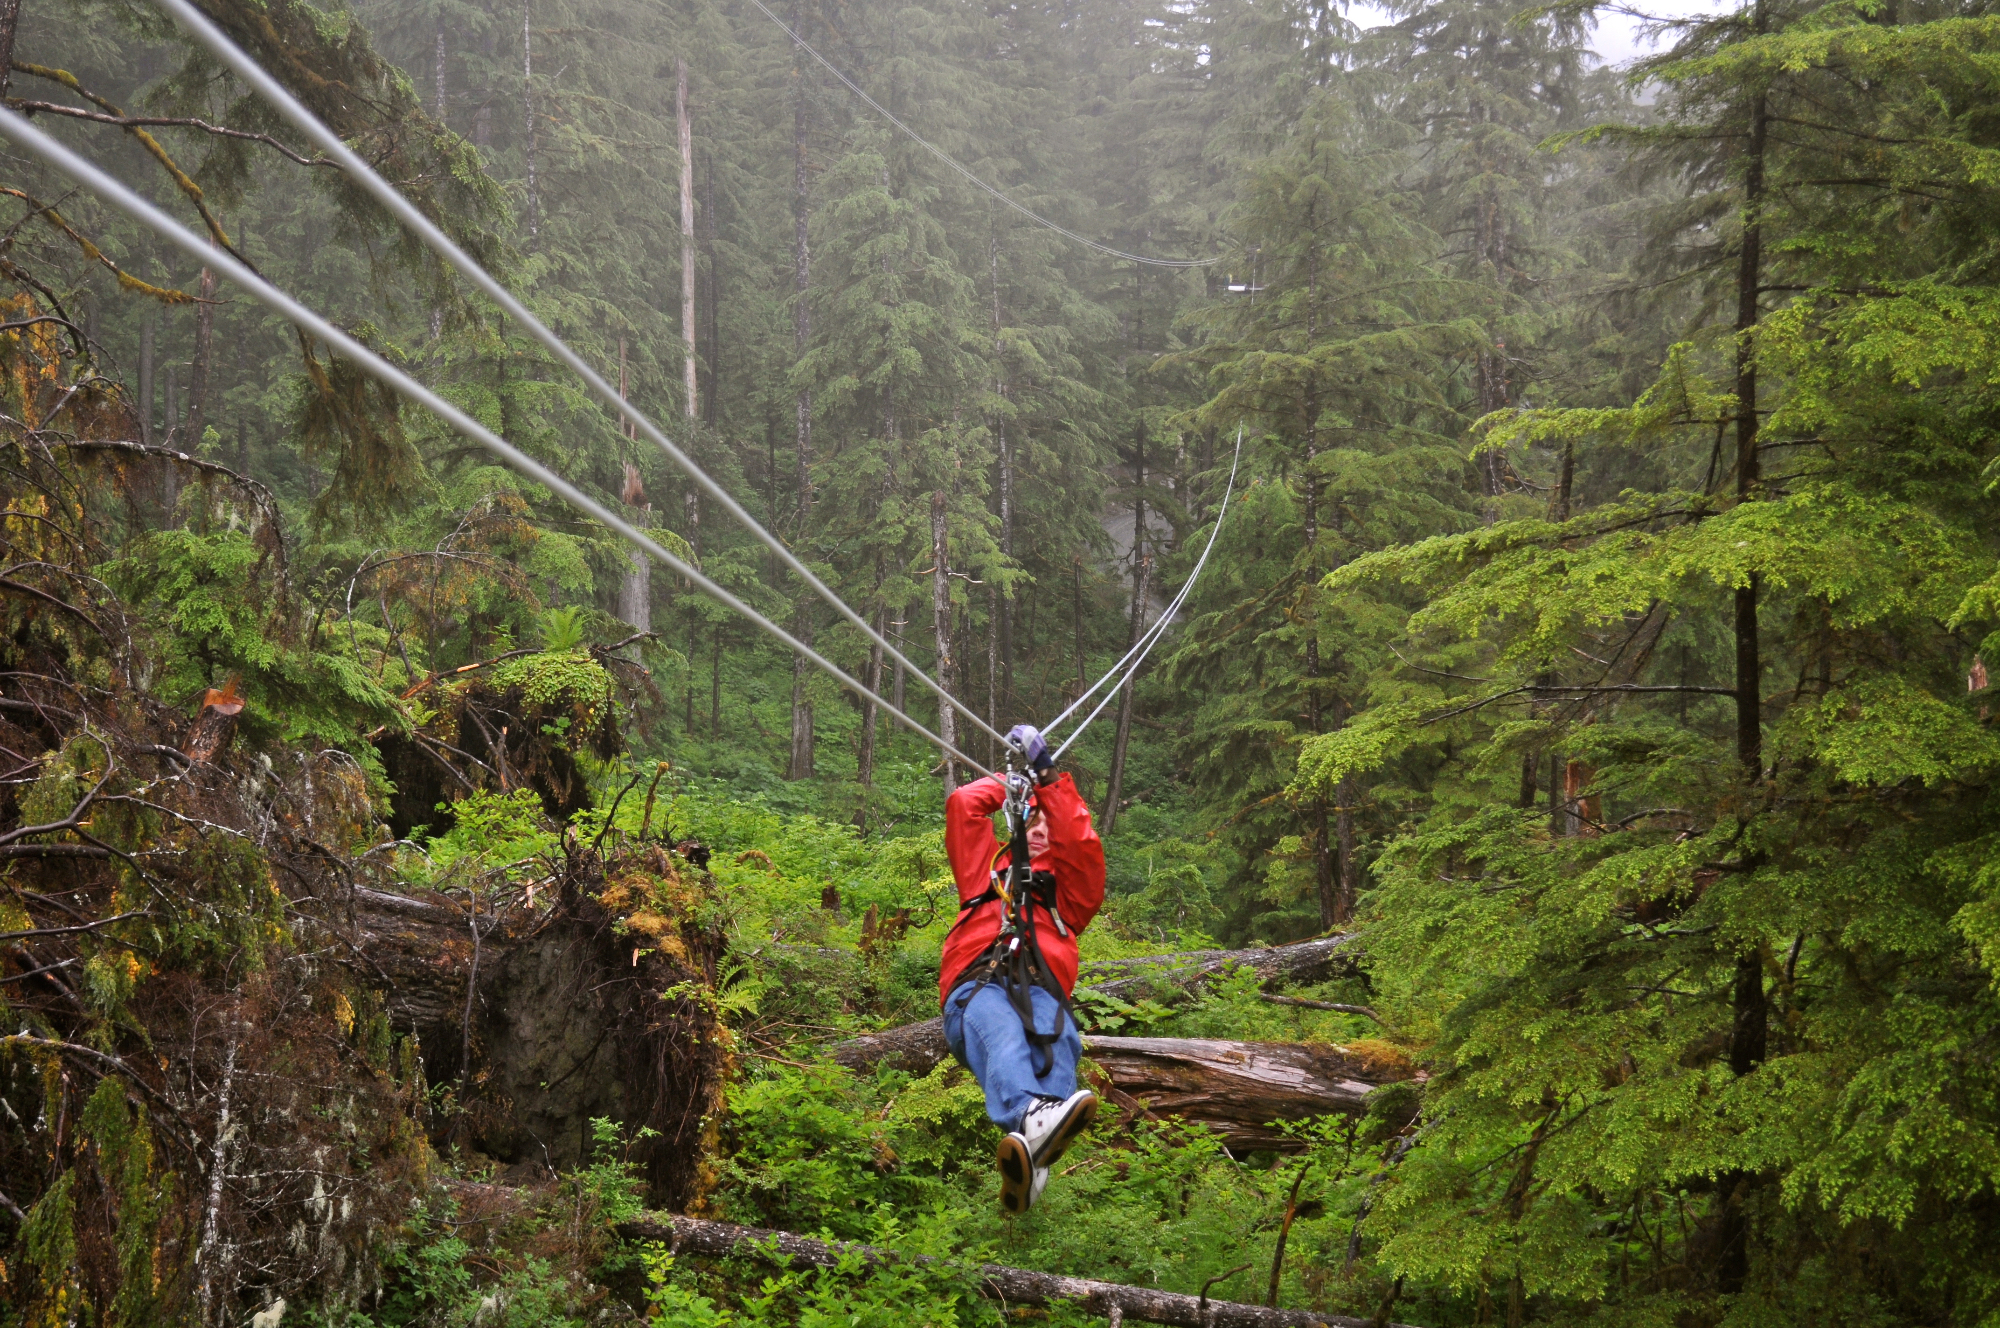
(1174, 977)
(1168, 978)
(916, 1048)
(1010, 1286)
(1241, 1090)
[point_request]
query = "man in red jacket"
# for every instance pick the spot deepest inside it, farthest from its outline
(1010, 962)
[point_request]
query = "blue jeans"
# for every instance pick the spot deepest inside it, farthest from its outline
(984, 1032)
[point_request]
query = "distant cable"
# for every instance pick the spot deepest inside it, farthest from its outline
(16, 129)
(209, 35)
(952, 162)
(1173, 607)
(1144, 645)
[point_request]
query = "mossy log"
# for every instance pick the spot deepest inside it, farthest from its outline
(1010, 1286)
(1242, 1090)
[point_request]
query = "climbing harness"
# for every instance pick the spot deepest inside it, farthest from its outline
(1014, 962)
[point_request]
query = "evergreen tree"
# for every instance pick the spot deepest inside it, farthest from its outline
(1735, 955)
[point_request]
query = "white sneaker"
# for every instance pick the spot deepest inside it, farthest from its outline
(1053, 1124)
(1017, 1173)
(1021, 1181)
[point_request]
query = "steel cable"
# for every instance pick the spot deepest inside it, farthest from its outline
(16, 129)
(952, 162)
(205, 32)
(1144, 645)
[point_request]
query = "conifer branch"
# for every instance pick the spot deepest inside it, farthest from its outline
(164, 121)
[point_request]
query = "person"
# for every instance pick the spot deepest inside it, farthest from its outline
(1007, 973)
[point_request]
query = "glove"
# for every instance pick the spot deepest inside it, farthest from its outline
(1028, 740)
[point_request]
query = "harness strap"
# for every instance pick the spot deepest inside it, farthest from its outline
(1016, 964)
(1015, 960)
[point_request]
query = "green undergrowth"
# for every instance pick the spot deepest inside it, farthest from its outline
(907, 1163)
(834, 933)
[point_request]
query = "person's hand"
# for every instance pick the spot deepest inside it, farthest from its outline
(1028, 740)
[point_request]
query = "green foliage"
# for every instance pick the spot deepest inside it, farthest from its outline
(1601, 620)
(221, 610)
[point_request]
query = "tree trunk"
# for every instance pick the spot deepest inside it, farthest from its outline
(1749, 703)
(147, 331)
(204, 355)
(1003, 625)
(1076, 566)
(1325, 877)
(1749, 1010)
(528, 114)
(170, 476)
(1749, 1022)
(1108, 817)
(1347, 793)
(562, 1025)
(992, 668)
(715, 686)
(801, 273)
(1490, 246)
(10, 22)
(688, 330)
(801, 764)
(1240, 1090)
(1009, 1286)
(437, 68)
(714, 356)
(941, 626)
(897, 687)
(871, 679)
(635, 588)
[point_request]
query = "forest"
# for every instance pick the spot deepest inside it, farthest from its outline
(1553, 849)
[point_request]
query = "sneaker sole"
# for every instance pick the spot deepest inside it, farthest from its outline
(1080, 1118)
(1017, 1174)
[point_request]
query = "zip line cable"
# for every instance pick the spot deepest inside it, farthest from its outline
(204, 31)
(1173, 607)
(15, 128)
(952, 162)
(1144, 645)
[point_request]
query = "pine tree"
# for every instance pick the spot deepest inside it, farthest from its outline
(1676, 991)
(1330, 361)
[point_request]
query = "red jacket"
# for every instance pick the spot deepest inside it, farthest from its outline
(1075, 857)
